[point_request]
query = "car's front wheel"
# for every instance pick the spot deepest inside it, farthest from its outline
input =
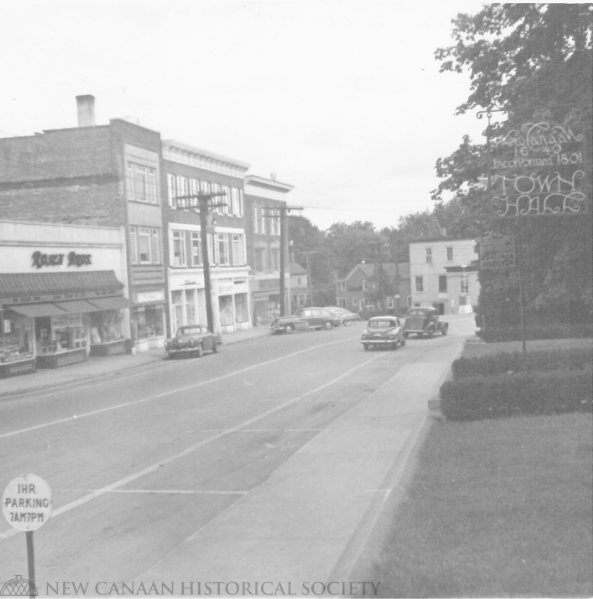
(288, 329)
(444, 331)
(327, 325)
(346, 323)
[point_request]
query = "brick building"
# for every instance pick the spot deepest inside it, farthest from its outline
(99, 175)
(264, 200)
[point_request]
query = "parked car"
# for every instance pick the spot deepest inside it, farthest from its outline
(192, 340)
(424, 322)
(345, 316)
(305, 318)
(383, 331)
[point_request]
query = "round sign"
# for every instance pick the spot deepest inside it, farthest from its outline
(26, 502)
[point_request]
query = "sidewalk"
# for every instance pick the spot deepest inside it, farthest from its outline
(97, 367)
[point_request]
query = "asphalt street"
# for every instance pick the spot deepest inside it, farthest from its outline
(258, 463)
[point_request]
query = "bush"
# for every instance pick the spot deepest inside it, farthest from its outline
(571, 359)
(555, 331)
(504, 395)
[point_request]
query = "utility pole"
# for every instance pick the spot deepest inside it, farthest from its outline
(204, 206)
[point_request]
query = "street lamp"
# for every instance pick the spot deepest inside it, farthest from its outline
(203, 210)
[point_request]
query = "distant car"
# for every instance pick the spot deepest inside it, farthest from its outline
(425, 322)
(192, 340)
(345, 316)
(305, 318)
(386, 332)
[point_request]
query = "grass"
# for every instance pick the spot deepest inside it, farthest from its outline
(476, 348)
(496, 508)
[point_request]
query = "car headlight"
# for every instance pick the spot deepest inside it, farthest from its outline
(365, 333)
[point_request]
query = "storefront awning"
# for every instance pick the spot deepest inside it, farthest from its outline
(42, 283)
(111, 303)
(34, 310)
(78, 307)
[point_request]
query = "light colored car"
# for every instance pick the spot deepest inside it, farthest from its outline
(192, 340)
(345, 316)
(305, 318)
(385, 332)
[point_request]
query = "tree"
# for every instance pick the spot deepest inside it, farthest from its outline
(351, 244)
(524, 58)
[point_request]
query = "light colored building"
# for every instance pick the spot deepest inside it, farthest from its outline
(190, 170)
(63, 294)
(444, 275)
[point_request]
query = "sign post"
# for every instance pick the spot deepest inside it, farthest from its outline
(26, 505)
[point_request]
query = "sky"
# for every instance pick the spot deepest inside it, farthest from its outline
(341, 99)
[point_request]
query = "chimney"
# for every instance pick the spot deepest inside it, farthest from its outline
(86, 110)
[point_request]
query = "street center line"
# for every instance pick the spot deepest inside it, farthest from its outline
(156, 466)
(164, 394)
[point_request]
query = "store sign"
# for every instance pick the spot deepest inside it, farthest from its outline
(70, 259)
(226, 289)
(538, 170)
(150, 296)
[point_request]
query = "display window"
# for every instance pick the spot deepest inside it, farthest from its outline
(148, 322)
(16, 341)
(106, 326)
(241, 312)
(225, 308)
(56, 334)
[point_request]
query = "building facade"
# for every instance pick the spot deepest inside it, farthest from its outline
(443, 274)
(190, 171)
(63, 295)
(264, 202)
(105, 175)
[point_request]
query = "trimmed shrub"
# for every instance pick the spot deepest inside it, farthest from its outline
(506, 395)
(570, 359)
(556, 331)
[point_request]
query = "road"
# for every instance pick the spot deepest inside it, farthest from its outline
(142, 462)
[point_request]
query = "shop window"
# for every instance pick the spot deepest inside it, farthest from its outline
(176, 309)
(59, 333)
(225, 308)
(15, 337)
(147, 322)
(142, 185)
(241, 313)
(106, 326)
(190, 307)
(196, 249)
(179, 252)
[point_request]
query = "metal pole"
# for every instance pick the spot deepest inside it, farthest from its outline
(282, 257)
(31, 562)
(203, 200)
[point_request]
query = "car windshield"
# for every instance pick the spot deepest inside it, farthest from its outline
(189, 331)
(382, 324)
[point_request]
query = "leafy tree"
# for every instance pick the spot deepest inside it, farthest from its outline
(532, 61)
(350, 244)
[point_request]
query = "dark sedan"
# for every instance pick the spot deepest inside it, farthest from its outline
(192, 340)
(305, 318)
(345, 316)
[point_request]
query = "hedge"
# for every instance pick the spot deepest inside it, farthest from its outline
(556, 331)
(571, 359)
(505, 395)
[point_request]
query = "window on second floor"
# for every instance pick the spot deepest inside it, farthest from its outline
(419, 284)
(145, 245)
(179, 251)
(238, 250)
(223, 249)
(449, 254)
(428, 255)
(259, 259)
(141, 182)
(196, 249)
(442, 283)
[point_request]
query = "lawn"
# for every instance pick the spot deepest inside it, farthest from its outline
(496, 508)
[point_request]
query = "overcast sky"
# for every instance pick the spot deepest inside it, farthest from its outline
(341, 99)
